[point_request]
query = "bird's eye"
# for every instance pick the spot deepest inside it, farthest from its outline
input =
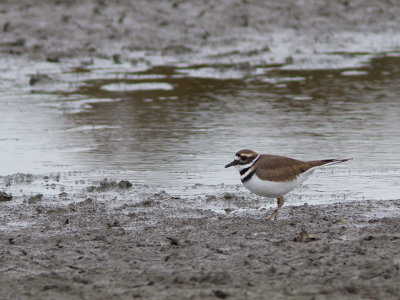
(243, 157)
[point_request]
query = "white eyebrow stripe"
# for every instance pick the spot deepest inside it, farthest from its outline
(249, 165)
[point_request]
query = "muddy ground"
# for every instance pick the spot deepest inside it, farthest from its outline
(166, 247)
(57, 30)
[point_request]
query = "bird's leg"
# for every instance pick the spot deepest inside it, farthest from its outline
(280, 202)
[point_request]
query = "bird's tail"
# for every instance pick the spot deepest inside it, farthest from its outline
(328, 162)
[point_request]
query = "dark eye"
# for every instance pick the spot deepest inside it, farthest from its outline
(243, 157)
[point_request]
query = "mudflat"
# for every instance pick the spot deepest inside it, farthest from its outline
(167, 247)
(57, 30)
(162, 247)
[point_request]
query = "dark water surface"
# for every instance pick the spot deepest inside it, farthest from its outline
(177, 126)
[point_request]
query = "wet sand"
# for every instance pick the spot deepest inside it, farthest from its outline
(166, 247)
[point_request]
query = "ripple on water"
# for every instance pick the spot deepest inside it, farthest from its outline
(177, 126)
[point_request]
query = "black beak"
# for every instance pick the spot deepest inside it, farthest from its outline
(231, 164)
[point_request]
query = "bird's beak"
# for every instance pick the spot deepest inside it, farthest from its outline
(231, 164)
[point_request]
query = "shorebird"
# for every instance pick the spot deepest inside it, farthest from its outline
(274, 175)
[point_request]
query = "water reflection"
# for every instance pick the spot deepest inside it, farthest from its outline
(185, 134)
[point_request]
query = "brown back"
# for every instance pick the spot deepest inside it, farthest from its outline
(281, 168)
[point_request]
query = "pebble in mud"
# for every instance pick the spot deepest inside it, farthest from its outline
(173, 241)
(124, 184)
(62, 195)
(40, 79)
(35, 199)
(5, 197)
(106, 185)
(304, 237)
(221, 294)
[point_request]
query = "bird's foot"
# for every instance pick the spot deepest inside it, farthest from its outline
(274, 215)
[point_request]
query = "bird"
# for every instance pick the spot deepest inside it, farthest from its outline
(274, 175)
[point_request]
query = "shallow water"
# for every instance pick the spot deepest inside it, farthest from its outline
(177, 126)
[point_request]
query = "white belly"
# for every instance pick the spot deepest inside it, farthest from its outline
(272, 188)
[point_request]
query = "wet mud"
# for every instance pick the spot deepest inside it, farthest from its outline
(53, 31)
(88, 245)
(167, 247)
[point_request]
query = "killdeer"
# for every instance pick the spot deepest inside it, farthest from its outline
(273, 175)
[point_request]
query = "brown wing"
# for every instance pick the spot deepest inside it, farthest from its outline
(281, 168)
